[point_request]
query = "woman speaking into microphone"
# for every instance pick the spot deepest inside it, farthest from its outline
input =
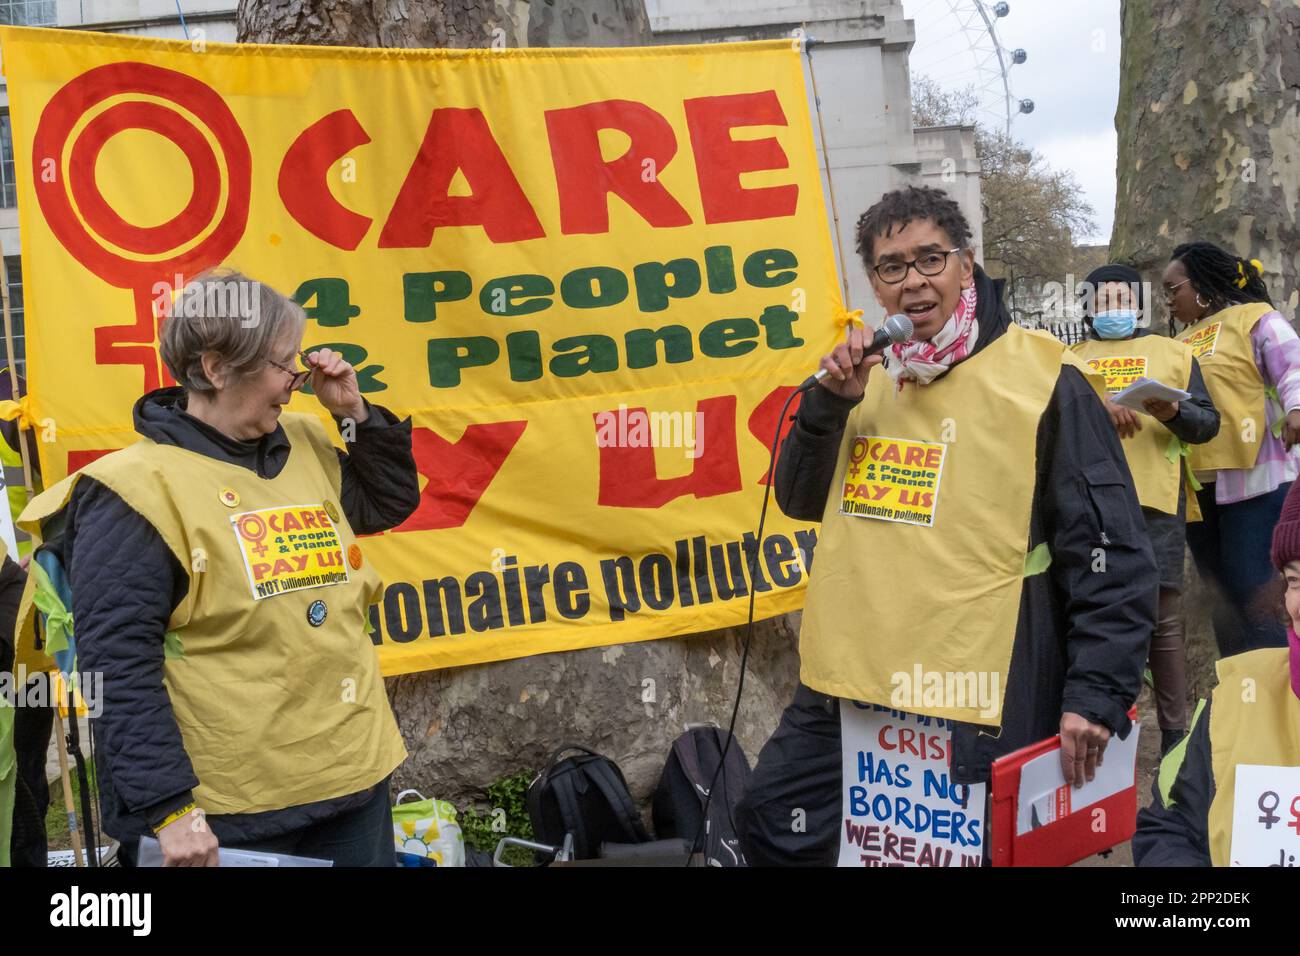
(218, 585)
(979, 528)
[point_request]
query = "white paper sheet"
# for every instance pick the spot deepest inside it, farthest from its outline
(1144, 388)
(1044, 795)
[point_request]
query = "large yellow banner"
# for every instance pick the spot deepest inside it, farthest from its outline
(591, 278)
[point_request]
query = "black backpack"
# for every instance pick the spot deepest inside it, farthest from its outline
(684, 787)
(587, 796)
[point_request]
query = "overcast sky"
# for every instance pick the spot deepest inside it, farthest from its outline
(1072, 75)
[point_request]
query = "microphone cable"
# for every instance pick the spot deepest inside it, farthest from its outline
(808, 43)
(749, 630)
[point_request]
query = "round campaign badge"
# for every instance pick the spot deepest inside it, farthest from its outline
(316, 613)
(228, 497)
(332, 510)
(354, 557)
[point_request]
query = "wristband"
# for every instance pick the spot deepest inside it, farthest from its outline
(173, 817)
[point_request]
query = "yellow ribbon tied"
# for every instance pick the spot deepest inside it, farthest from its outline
(845, 319)
(1259, 270)
(21, 410)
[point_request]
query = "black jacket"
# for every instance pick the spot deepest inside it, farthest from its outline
(12, 580)
(1177, 833)
(126, 582)
(1081, 640)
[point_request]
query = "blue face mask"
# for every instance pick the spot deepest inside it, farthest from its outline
(1116, 324)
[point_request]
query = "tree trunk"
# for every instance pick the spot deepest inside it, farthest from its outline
(460, 23)
(467, 727)
(1209, 134)
(1209, 148)
(382, 23)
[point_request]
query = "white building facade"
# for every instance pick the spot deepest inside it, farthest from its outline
(859, 59)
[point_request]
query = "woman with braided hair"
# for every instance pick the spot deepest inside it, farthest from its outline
(1250, 357)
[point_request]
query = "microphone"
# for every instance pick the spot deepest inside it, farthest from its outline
(896, 330)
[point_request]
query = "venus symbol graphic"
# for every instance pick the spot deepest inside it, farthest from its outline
(74, 128)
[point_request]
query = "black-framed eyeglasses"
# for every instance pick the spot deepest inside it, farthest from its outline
(931, 264)
(299, 376)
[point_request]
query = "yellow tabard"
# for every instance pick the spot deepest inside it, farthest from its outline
(925, 566)
(1153, 453)
(273, 680)
(1221, 346)
(1254, 719)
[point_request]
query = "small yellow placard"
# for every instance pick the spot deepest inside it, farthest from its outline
(893, 479)
(1119, 371)
(1203, 342)
(289, 549)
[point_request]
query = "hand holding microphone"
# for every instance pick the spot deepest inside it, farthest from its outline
(844, 372)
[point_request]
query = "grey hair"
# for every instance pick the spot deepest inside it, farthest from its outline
(226, 312)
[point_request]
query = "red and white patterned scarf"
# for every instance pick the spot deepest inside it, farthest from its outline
(923, 362)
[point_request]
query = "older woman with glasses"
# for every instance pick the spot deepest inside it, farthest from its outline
(218, 585)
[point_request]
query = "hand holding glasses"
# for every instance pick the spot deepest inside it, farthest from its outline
(298, 377)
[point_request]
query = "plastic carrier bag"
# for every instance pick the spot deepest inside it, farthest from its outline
(428, 829)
